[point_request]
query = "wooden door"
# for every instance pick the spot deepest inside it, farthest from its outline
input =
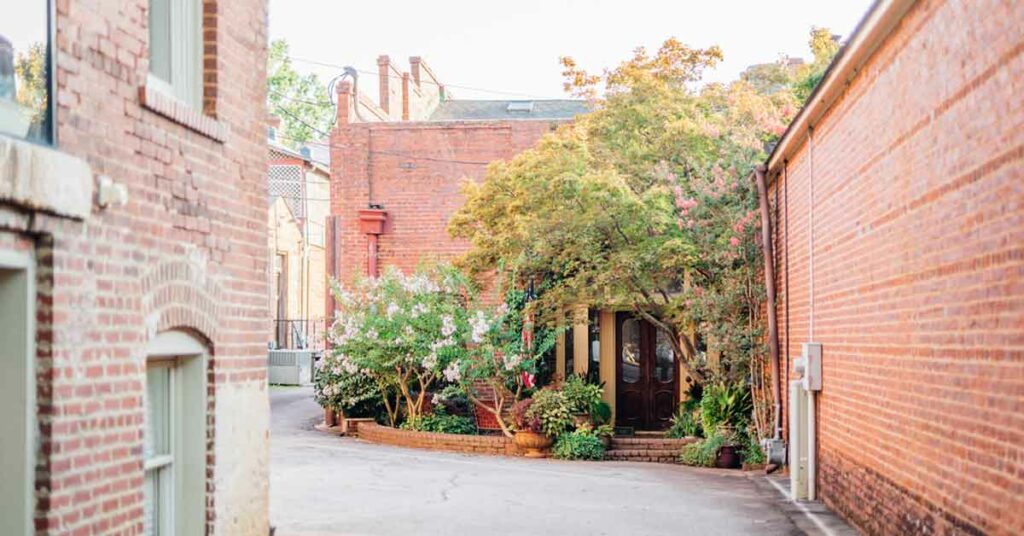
(647, 388)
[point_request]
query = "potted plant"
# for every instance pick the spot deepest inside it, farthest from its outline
(581, 397)
(728, 456)
(529, 435)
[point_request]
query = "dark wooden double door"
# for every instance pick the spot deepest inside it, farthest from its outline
(647, 389)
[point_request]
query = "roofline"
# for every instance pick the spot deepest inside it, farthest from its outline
(871, 31)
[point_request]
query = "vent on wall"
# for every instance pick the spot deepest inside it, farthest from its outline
(520, 106)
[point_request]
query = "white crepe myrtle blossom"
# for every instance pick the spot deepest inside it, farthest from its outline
(452, 373)
(480, 327)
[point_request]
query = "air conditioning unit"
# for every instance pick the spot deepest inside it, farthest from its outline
(290, 367)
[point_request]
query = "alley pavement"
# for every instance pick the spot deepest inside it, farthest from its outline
(325, 485)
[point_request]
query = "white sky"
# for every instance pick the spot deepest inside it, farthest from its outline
(514, 46)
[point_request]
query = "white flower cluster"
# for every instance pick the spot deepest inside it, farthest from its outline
(430, 361)
(452, 373)
(392, 310)
(447, 326)
(418, 310)
(480, 326)
(419, 284)
(511, 361)
(345, 363)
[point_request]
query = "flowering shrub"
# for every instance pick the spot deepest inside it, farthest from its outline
(342, 390)
(406, 333)
(502, 358)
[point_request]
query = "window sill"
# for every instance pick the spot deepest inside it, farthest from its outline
(163, 104)
(45, 179)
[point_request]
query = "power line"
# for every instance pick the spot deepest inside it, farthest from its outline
(459, 86)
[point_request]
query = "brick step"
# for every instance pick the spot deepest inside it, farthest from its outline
(635, 455)
(637, 442)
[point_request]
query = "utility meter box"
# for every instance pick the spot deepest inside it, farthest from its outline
(810, 361)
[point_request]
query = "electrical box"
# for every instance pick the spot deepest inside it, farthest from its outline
(809, 366)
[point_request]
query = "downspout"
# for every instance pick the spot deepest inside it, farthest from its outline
(811, 409)
(769, 278)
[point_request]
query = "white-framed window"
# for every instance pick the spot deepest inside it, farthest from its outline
(176, 49)
(17, 393)
(174, 439)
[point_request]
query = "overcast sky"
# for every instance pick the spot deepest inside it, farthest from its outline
(514, 47)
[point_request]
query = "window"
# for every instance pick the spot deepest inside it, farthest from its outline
(26, 82)
(176, 49)
(174, 441)
(157, 450)
(17, 394)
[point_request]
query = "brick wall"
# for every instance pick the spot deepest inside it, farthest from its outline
(188, 251)
(918, 276)
(469, 444)
(414, 170)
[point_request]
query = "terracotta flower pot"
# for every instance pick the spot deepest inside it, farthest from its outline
(330, 418)
(535, 445)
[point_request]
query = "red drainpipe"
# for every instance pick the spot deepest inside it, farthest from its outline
(371, 223)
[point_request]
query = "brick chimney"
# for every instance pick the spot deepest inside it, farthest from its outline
(384, 73)
(343, 92)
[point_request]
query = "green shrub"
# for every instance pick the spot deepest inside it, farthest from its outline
(727, 404)
(750, 450)
(704, 452)
(685, 423)
(601, 413)
(581, 396)
(551, 408)
(442, 423)
(578, 446)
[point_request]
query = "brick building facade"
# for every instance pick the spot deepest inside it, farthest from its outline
(898, 212)
(133, 273)
(398, 163)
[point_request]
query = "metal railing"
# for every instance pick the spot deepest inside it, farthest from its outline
(299, 334)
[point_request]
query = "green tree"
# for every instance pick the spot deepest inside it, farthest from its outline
(642, 203)
(824, 45)
(300, 101)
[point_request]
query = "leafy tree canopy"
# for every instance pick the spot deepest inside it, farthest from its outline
(643, 203)
(300, 101)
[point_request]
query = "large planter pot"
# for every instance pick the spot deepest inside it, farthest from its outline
(728, 458)
(536, 445)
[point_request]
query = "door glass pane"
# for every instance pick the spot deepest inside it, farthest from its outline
(665, 363)
(156, 440)
(631, 351)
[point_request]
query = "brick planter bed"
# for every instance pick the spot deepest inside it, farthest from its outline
(470, 444)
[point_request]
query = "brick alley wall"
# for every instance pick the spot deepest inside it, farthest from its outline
(918, 276)
(188, 252)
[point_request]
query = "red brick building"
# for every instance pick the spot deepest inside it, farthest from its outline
(898, 212)
(133, 268)
(397, 164)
